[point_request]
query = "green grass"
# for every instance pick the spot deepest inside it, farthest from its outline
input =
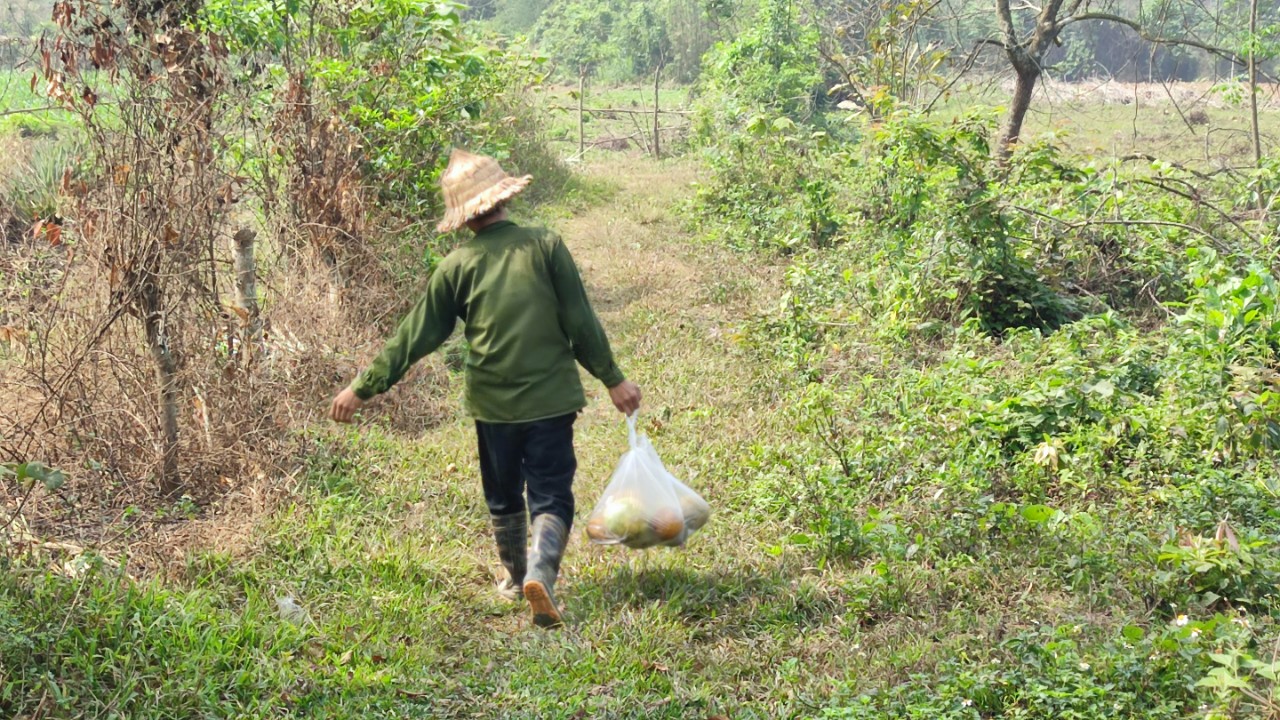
(1073, 116)
(386, 544)
(559, 104)
(17, 97)
(928, 579)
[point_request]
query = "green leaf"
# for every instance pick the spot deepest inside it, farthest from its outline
(1103, 388)
(54, 480)
(35, 471)
(1221, 659)
(783, 124)
(1132, 633)
(1221, 678)
(1037, 514)
(1270, 671)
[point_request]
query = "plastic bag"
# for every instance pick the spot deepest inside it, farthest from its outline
(645, 505)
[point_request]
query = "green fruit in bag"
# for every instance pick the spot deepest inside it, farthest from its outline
(625, 517)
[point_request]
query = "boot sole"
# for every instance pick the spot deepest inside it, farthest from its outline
(545, 614)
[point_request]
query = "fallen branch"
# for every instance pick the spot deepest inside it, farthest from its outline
(1201, 201)
(1146, 157)
(1125, 223)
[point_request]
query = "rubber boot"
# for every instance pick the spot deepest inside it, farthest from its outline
(549, 537)
(511, 534)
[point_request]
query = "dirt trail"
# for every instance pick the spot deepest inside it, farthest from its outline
(669, 302)
(385, 540)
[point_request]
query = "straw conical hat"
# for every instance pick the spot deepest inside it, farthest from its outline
(473, 185)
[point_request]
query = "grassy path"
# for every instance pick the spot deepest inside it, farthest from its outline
(391, 552)
(385, 546)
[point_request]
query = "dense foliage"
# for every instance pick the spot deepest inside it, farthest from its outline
(1048, 368)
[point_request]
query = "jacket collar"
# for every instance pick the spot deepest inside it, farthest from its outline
(488, 229)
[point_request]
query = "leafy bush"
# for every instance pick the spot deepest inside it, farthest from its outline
(1058, 672)
(946, 215)
(362, 128)
(929, 236)
(1227, 342)
(770, 68)
(1223, 570)
(773, 187)
(408, 108)
(1031, 373)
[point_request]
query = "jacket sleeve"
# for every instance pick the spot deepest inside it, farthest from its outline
(579, 321)
(424, 329)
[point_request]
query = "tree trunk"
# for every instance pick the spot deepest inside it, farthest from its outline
(247, 289)
(167, 380)
(1023, 88)
(1253, 86)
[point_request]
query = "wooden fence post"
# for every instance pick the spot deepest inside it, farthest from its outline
(247, 291)
(582, 141)
(1253, 87)
(657, 147)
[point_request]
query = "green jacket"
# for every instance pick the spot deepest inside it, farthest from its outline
(526, 316)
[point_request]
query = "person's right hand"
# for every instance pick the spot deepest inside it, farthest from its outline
(345, 406)
(625, 396)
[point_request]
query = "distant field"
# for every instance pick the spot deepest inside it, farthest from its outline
(1182, 122)
(16, 92)
(1195, 123)
(617, 130)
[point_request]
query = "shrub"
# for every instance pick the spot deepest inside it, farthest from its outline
(770, 68)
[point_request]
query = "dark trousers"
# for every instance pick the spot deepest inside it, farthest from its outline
(536, 457)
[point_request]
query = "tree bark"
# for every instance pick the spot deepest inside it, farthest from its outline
(1025, 56)
(162, 354)
(1023, 88)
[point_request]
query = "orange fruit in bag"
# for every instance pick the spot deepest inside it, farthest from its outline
(596, 529)
(667, 524)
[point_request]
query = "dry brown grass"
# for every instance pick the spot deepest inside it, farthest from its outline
(1114, 92)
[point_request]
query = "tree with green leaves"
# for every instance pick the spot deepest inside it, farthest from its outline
(624, 40)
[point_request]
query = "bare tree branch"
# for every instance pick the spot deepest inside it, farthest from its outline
(1156, 39)
(968, 65)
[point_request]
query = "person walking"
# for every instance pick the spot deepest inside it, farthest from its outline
(528, 323)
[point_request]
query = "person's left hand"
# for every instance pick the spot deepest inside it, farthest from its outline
(625, 396)
(345, 406)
